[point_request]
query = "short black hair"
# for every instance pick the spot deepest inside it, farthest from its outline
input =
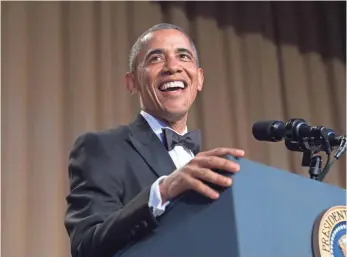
(161, 26)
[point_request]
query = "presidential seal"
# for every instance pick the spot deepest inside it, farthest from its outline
(329, 234)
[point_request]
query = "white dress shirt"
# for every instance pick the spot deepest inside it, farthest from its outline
(179, 155)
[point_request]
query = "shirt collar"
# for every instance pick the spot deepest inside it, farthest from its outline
(157, 125)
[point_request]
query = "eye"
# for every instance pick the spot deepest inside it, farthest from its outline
(185, 57)
(155, 58)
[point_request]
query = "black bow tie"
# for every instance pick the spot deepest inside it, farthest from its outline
(190, 140)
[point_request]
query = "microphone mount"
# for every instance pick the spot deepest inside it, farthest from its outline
(311, 141)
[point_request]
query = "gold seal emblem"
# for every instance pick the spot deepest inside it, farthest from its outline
(329, 234)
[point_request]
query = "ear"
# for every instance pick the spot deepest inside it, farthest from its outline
(130, 82)
(200, 79)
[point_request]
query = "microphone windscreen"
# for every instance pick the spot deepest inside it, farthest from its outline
(268, 130)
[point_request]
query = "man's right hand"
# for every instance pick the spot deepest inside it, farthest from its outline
(199, 170)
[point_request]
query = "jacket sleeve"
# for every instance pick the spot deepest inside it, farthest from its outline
(97, 222)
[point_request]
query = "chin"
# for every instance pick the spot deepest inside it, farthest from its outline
(174, 114)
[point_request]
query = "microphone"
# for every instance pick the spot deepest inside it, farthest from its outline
(269, 130)
(301, 137)
(293, 131)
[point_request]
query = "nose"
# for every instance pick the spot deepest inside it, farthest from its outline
(172, 65)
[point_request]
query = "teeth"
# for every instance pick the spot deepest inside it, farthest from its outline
(172, 84)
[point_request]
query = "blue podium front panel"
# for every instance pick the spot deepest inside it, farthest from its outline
(266, 213)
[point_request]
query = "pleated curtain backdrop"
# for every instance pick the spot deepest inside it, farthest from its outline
(62, 75)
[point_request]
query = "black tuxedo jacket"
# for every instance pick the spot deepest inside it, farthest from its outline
(110, 174)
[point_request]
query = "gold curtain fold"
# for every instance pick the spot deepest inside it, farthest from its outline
(62, 74)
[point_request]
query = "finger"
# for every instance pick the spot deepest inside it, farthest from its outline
(208, 175)
(201, 188)
(214, 162)
(222, 151)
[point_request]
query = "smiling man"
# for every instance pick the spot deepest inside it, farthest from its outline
(122, 179)
(166, 74)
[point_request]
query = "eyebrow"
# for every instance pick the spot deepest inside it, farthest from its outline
(154, 51)
(184, 50)
(161, 51)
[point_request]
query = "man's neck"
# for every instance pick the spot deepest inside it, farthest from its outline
(178, 125)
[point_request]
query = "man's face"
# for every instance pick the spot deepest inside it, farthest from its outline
(167, 76)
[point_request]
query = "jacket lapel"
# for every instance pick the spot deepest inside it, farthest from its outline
(149, 146)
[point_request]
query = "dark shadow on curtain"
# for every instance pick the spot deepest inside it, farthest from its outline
(327, 19)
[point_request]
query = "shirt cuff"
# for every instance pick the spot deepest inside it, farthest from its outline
(155, 201)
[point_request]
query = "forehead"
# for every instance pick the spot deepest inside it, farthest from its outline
(168, 39)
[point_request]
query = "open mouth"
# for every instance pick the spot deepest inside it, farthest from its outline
(172, 86)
